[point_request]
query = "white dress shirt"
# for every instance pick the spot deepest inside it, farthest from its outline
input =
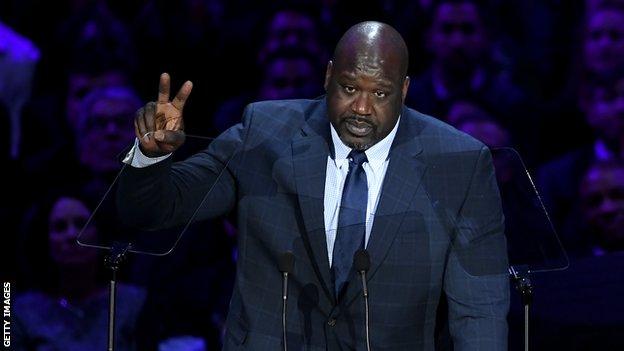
(337, 169)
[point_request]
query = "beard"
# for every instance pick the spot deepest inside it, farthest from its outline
(357, 132)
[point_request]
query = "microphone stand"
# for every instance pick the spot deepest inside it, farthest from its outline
(365, 289)
(361, 263)
(286, 266)
(113, 261)
(520, 276)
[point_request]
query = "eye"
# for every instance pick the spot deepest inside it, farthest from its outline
(380, 94)
(348, 89)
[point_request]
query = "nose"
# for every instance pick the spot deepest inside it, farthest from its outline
(362, 104)
(608, 207)
(457, 39)
(112, 127)
(292, 39)
(72, 232)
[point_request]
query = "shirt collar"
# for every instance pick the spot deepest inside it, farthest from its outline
(376, 154)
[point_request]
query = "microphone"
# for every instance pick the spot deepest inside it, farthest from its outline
(361, 263)
(285, 265)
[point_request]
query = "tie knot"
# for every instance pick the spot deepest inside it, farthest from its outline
(358, 157)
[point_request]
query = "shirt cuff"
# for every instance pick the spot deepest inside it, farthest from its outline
(137, 159)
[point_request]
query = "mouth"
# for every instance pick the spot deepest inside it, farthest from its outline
(358, 129)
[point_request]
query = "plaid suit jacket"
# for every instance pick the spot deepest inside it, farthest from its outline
(438, 228)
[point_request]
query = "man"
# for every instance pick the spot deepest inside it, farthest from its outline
(322, 178)
(286, 74)
(463, 64)
(602, 204)
(104, 127)
(559, 181)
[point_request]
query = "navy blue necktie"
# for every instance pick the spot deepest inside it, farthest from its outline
(351, 220)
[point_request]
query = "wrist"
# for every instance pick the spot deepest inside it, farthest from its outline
(151, 154)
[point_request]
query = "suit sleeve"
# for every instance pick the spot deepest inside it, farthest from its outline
(168, 194)
(476, 281)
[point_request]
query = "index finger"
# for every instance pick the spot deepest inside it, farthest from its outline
(163, 88)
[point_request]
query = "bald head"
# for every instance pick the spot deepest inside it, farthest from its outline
(366, 84)
(371, 44)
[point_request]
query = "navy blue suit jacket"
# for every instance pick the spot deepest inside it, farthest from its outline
(438, 228)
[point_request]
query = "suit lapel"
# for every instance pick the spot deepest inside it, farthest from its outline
(310, 151)
(402, 179)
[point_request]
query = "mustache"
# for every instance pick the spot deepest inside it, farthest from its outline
(359, 119)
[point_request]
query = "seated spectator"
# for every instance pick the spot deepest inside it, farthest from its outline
(559, 180)
(463, 66)
(286, 74)
(602, 206)
(601, 55)
(603, 47)
(105, 128)
(50, 146)
(66, 305)
(292, 28)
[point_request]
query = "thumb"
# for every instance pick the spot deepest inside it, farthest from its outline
(169, 140)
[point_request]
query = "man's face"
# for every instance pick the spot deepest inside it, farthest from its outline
(292, 29)
(602, 198)
(365, 93)
(107, 131)
(605, 112)
(604, 41)
(80, 85)
(457, 37)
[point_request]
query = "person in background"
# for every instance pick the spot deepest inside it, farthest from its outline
(65, 305)
(602, 207)
(292, 28)
(559, 180)
(286, 74)
(18, 59)
(600, 56)
(102, 128)
(463, 66)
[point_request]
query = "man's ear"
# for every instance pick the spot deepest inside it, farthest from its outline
(405, 86)
(328, 73)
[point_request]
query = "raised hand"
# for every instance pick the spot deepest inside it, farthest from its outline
(159, 125)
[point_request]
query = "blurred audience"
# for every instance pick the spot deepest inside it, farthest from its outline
(602, 207)
(18, 60)
(292, 28)
(105, 128)
(287, 73)
(462, 66)
(603, 49)
(66, 305)
(559, 180)
(600, 55)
